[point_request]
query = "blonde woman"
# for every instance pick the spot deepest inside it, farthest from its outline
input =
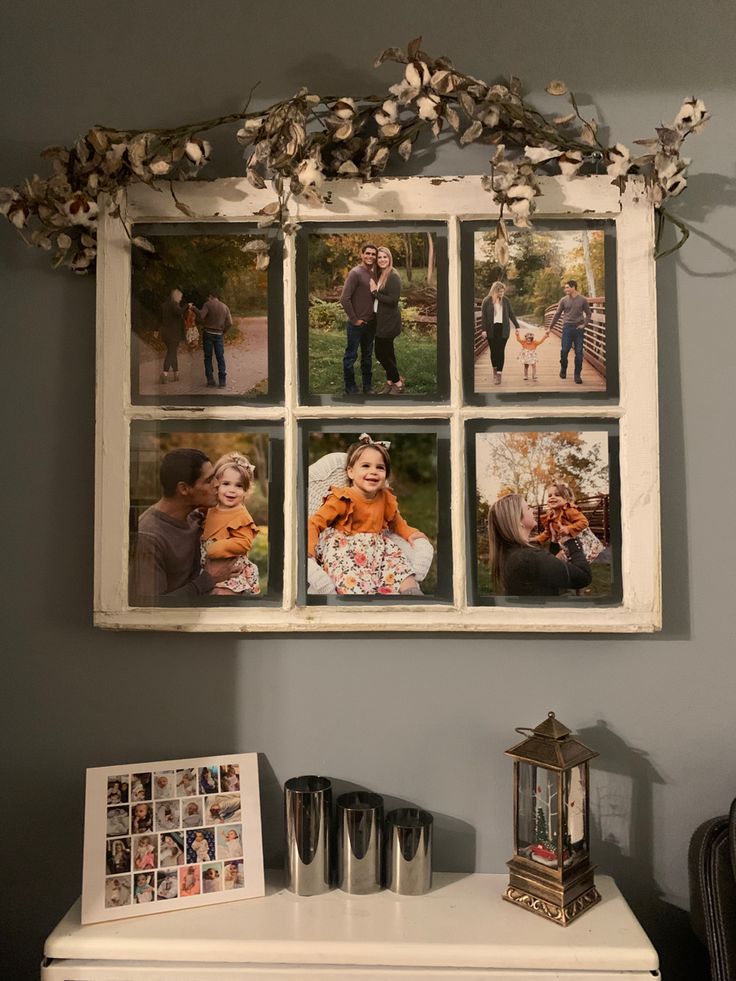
(386, 293)
(519, 568)
(496, 317)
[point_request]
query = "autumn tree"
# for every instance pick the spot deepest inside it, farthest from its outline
(528, 462)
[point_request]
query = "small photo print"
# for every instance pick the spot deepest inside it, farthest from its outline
(233, 875)
(373, 312)
(208, 779)
(145, 852)
(186, 782)
(141, 818)
(144, 890)
(168, 815)
(219, 482)
(171, 849)
(140, 787)
(230, 777)
(117, 891)
(190, 883)
(118, 856)
(230, 841)
(200, 316)
(212, 877)
(117, 789)
(201, 845)
(118, 821)
(372, 521)
(222, 809)
(544, 517)
(540, 321)
(164, 784)
(192, 812)
(166, 885)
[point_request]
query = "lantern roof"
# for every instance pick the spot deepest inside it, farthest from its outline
(551, 745)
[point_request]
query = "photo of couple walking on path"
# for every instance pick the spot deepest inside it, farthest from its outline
(380, 309)
(200, 318)
(552, 293)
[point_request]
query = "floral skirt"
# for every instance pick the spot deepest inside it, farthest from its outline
(362, 564)
(245, 578)
(527, 357)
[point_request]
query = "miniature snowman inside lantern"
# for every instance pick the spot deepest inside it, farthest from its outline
(551, 872)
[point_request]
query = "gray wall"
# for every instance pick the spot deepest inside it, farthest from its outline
(425, 719)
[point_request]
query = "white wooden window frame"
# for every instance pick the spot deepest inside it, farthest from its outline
(452, 200)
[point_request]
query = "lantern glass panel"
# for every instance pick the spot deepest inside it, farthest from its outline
(538, 814)
(575, 831)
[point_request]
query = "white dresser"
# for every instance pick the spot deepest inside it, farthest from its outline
(461, 931)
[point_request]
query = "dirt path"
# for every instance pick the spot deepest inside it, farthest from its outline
(246, 360)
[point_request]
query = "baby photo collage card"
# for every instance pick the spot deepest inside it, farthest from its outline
(171, 834)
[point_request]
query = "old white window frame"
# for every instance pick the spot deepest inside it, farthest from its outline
(452, 200)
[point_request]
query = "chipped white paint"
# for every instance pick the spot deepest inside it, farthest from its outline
(450, 199)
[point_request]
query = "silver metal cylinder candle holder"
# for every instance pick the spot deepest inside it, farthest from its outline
(359, 819)
(308, 822)
(409, 851)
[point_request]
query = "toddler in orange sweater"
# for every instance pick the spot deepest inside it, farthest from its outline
(562, 520)
(528, 353)
(349, 534)
(229, 530)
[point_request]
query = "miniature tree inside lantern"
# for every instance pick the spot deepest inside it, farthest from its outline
(551, 872)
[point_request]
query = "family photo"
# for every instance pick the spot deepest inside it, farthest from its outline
(373, 313)
(540, 321)
(198, 519)
(543, 506)
(372, 514)
(199, 313)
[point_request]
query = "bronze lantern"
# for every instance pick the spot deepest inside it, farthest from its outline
(550, 873)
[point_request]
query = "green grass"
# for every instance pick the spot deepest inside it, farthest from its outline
(415, 356)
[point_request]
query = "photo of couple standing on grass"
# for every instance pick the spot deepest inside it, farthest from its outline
(540, 318)
(199, 316)
(372, 313)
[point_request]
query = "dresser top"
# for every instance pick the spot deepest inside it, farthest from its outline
(462, 922)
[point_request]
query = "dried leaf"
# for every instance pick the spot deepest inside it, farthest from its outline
(556, 87)
(453, 118)
(390, 130)
(515, 85)
(254, 178)
(468, 104)
(390, 54)
(185, 209)
(471, 133)
(652, 141)
(98, 139)
(272, 208)
(143, 243)
(262, 262)
(564, 120)
(413, 48)
(405, 148)
(344, 132)
(257, 244)
(348, 168)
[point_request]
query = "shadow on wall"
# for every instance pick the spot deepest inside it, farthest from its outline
(453, 840)
(622, 845)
